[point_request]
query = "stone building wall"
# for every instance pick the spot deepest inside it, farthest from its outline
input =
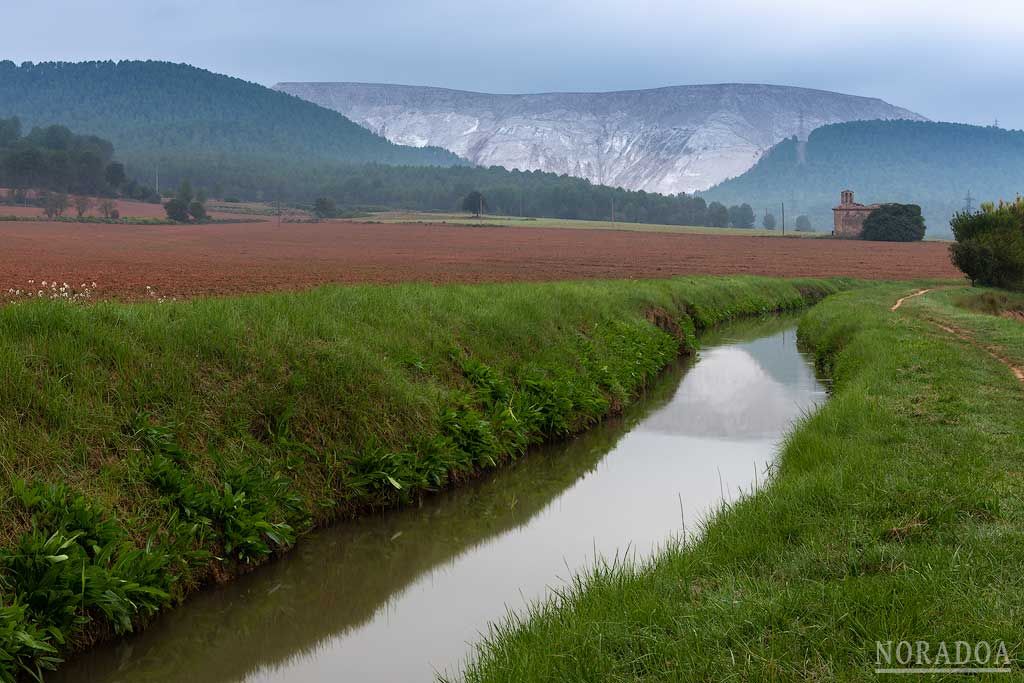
(849, 216)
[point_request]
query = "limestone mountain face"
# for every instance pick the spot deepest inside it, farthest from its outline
(668, 140)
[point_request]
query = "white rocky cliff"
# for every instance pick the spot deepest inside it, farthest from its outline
(675, 139)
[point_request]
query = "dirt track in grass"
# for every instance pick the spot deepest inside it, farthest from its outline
(184, 261)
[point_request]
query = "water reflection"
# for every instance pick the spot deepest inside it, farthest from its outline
(400, 595)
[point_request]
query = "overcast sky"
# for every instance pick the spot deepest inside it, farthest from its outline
(949, 61)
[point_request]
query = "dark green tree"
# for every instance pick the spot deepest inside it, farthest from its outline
(989, 245)
(10, 131)
(325, 207)
(803, 224)
(717, 215)
(475, 203)
(894, 223)
(177, 210)
(185, 194)
(52, 137)
(115, 175)
(741, 216)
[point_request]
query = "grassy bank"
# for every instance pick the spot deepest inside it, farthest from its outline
(146, 449)
(896, 513)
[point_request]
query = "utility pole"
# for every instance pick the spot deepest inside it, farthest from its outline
(613, 210)
(783, 219)
(969, 203)
(158, 178)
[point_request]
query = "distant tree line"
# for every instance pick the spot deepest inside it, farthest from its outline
(432, 188)
(56, 162)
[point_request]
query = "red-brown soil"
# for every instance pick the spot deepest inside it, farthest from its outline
(251, 257)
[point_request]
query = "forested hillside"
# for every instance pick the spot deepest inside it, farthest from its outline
(156, 111)
(931, 164)
(238, 139)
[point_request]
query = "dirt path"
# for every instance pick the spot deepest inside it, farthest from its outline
(993, 351)
(965, 336)
(899, 302)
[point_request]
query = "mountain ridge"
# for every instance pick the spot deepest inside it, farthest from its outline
(678, 138)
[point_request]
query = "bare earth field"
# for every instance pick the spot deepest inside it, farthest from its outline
(184, 261)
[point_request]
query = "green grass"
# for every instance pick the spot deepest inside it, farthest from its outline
(526, 222)
(993, 302)
(896, 513)
(148, 448)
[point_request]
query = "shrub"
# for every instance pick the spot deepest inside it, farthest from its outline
(324, 207)
(894, 223)
(177, 210)
(54, 204)
(197, 210)
(82, 205)
(107, 208)
(989, 245)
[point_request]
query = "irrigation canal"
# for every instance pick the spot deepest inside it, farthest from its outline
(402, 595)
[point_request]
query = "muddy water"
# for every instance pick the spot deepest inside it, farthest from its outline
(400, 596)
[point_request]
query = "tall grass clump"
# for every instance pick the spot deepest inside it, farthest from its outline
(146, 449)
